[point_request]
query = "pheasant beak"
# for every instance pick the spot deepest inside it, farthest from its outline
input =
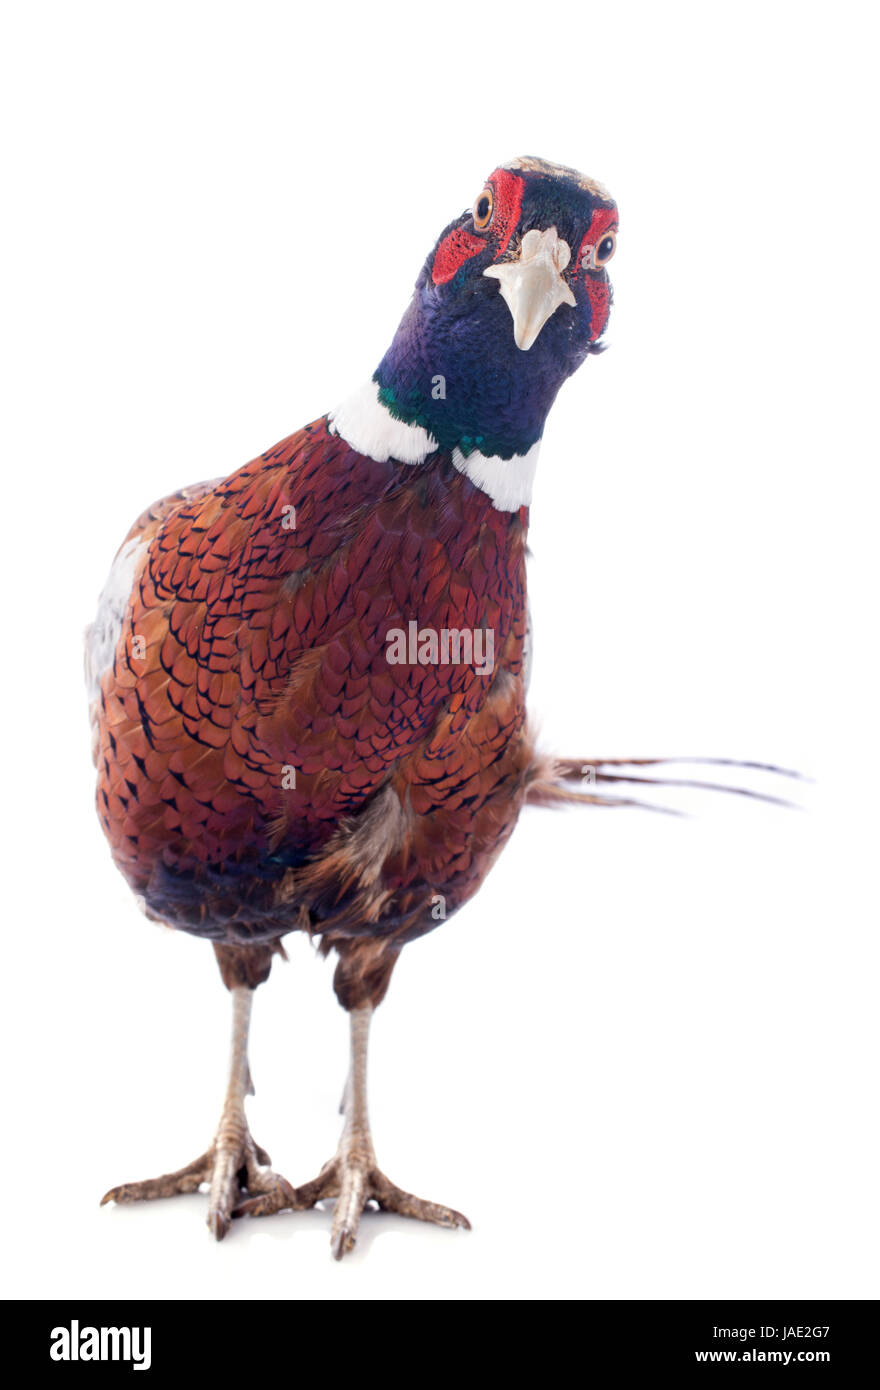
(533, 285)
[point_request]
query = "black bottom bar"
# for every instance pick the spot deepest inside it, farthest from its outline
(617, 1338)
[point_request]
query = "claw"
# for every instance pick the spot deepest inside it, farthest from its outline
(218, 1224)
(183, 1180)
(395, 1199)
(341, 1245)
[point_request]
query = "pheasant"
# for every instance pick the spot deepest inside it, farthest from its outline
(308, 680)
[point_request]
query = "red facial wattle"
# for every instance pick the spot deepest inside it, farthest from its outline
(598, 288)
(456, 248)
(460, 245)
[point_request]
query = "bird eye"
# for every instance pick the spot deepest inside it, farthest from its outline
(606, 248)
(595, 257)
(483, 209)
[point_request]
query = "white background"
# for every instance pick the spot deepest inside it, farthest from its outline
(643, 1060)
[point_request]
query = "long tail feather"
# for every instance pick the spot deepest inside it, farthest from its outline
(545, 791)
(549, 785)
(574, 766)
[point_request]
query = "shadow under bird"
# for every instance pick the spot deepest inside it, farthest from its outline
(308, 680)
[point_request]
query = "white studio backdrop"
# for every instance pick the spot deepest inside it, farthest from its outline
(643, 1059)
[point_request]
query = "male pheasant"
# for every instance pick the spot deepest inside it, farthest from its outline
(308, 680)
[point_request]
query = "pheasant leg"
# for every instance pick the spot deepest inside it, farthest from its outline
(234, 1166)
(353, 1176)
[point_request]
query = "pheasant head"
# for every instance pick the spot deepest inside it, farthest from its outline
(511, 300)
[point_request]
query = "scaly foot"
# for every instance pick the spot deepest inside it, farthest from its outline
(231, 1167)
(354, 1181)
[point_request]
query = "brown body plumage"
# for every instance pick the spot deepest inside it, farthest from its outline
(261, 766)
